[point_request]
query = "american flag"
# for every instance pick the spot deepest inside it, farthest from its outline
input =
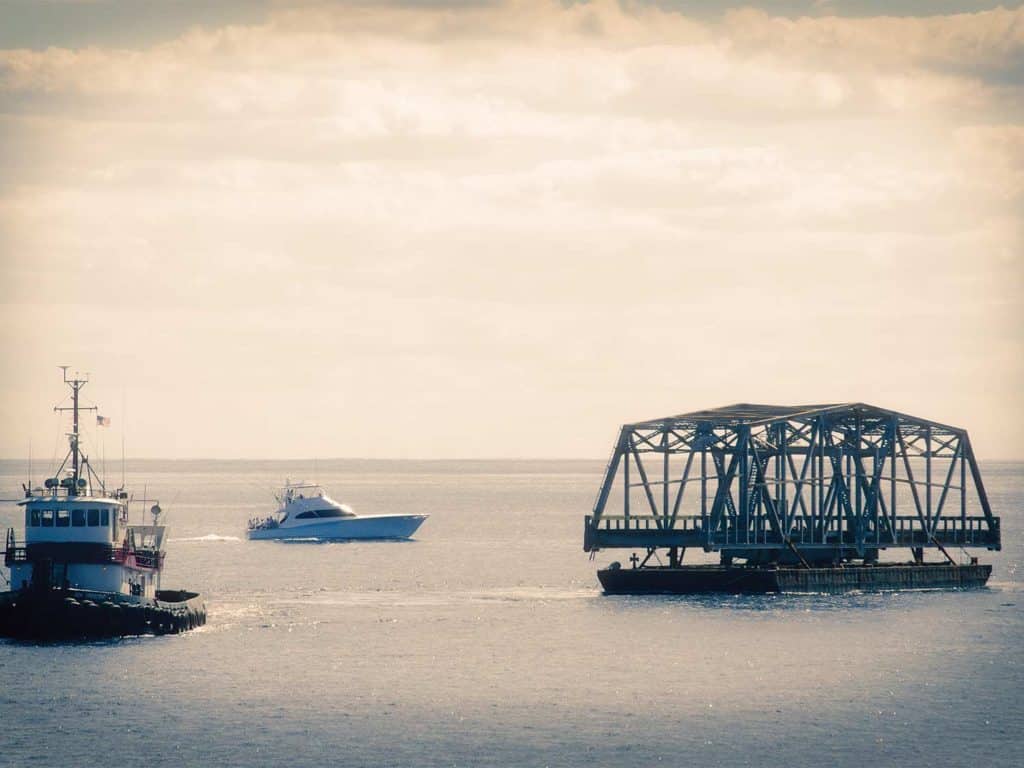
(102, 421)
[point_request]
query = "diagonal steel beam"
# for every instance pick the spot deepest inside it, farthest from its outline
(682, 487)
(761, 490)
(647, 487)
(979, 486)
(910, 477)
(609, 478)
(723, 493)
(799, 490)
(872, 495)
(945, 487)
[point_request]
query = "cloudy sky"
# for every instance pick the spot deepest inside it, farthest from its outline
(501, 229)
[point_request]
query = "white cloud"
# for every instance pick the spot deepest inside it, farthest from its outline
(447, 208)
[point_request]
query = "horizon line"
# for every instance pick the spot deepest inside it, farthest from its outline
(395, 458)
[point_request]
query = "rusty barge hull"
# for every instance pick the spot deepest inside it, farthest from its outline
(704, 579)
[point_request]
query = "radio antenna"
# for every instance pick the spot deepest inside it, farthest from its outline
(124, 424)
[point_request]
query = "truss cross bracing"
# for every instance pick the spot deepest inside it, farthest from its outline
(823, 481)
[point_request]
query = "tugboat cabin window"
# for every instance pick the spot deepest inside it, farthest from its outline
(104, 517)
(32, 516)
(77, 517)
(46, 518)
(94, 517)
(63, 518)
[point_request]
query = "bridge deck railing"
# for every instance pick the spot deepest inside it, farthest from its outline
(757, 532)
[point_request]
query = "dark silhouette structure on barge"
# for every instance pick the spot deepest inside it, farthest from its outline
(794, 498)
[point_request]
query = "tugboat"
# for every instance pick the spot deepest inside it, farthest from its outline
(306, 512)
(82, 571)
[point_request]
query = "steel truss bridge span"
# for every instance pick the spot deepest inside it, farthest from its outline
(793, 483)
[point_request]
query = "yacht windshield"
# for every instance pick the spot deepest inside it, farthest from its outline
(311, 513)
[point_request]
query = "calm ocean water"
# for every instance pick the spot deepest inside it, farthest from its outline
(486, 642)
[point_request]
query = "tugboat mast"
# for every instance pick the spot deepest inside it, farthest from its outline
(76, 384)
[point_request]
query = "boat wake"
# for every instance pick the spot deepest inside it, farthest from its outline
(531, 595)
(209, 537)
(382, 598)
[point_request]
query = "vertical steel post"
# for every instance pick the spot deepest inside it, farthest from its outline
(846, 470)
(928, 477)
(704, 491)
(893, 427)
(876, 492)
(627, 453)
(664, 479)
(858, 499)
(963, 488)
(743, 435)
(812, 457)
(780, 472)
(821, 481)
(851, 481)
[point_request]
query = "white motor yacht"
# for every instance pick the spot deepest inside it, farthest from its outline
(306, 512)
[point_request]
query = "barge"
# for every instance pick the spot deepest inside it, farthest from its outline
(792, 499)
(704, 579)
(81, 571)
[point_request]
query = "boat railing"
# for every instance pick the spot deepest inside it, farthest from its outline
(13, 552)
(148, 558)
(263, 524)
(89, 553)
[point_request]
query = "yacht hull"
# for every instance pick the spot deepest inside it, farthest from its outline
(346, 529)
